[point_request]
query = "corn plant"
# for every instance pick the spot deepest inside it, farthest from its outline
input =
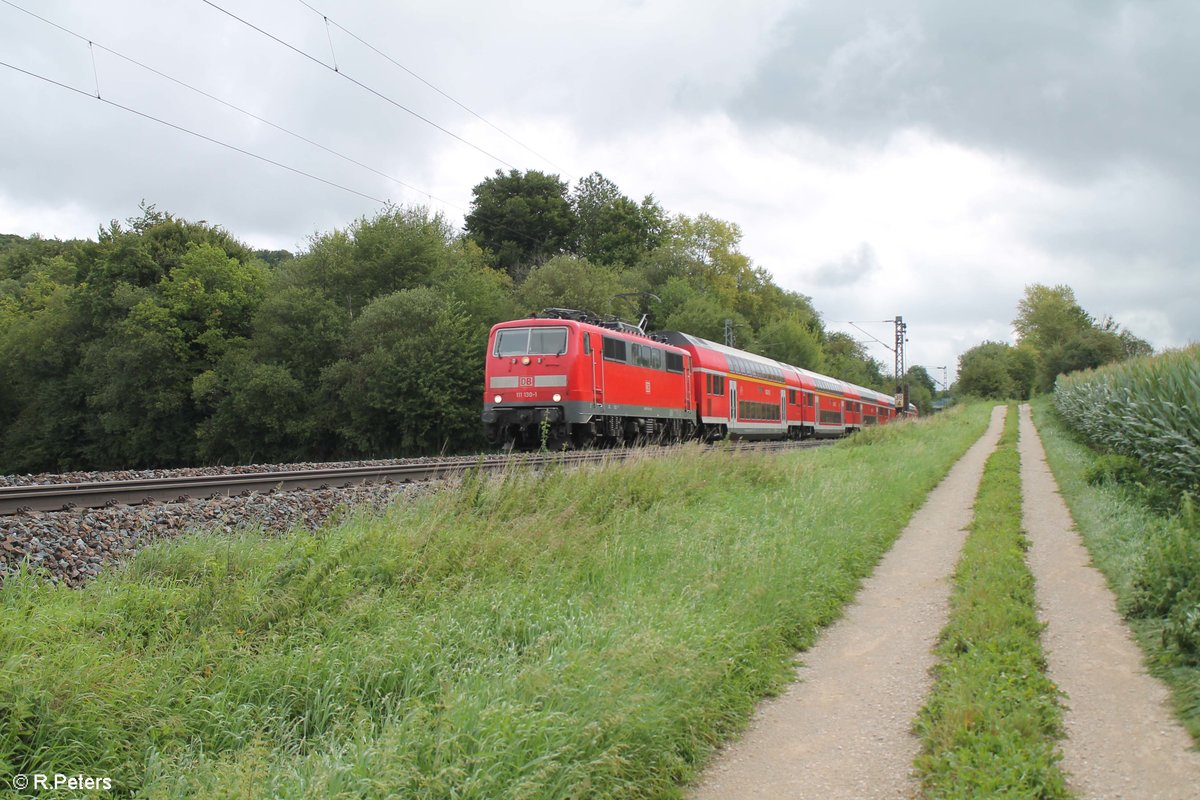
(1147, 408)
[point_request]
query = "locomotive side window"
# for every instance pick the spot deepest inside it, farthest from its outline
(674, 362)
(614, 349)
(643, 355)
(530, 342)
(587, 344)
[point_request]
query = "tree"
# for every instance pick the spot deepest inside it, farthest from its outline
(570, 282)
(1131, 346)
(847, 359)
(919, 376)
(1085, 350)
(147, 249)
(103, 339)
(983, 371)
(261, 401)
(521, 219)
(612, 229)
(1065, 338)
(790, 341)
(707, 249)
(301, 329)
(759, 299)
(1047, 316)
(44, 420)
(485, 294)
(1023, 370)
(411, 377)
(139, 388)
(396, 249)
(701, 315)
(140, 375)
(256, 412)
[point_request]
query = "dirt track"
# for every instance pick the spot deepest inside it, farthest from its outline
(1122, 741)
(843, 730)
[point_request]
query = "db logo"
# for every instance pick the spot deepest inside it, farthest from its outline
(525, 380)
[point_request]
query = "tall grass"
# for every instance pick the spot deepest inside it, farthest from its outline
(1147, 409)
(1151, 560)
(573, 634)
(991, 725)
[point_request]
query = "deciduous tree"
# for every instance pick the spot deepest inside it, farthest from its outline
(521, 219)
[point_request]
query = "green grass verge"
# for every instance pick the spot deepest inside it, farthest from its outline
(594, 633)
(991, 725)
(1143, 554)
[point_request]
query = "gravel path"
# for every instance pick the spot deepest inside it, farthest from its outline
(1122, 740)
(844, 729)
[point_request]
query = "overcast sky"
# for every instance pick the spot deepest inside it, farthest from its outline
(924, 158)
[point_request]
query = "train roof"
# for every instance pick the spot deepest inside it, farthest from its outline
(606, 327)
(738, 361)
(822, 382)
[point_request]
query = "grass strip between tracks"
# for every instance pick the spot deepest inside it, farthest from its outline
(991, 725)
(575, 633)
(1143, 552)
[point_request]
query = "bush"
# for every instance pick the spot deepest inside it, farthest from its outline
(1108, 470)
(1182, 631)
(1169, 571)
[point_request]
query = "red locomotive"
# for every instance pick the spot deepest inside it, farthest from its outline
(568, 378)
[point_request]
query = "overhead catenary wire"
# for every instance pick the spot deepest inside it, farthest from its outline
(191, 132)
(92, 44)
(410, 72)
(887, 346)
(358, 83)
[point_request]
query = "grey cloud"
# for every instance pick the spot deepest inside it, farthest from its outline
(848, 270)
(1070, 85)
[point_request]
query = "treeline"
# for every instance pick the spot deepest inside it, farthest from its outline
(166, 342)
(1055, 336)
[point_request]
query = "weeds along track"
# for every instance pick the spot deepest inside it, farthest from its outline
(72, 525)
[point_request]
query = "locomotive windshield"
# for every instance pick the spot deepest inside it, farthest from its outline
(537, 341)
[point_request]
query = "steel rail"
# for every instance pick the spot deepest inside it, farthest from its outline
(97, 494)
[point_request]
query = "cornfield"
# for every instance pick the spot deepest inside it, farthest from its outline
(1147, 408)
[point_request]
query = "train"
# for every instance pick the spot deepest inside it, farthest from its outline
(569, 379)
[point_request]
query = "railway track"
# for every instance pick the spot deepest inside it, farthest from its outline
(99, 494)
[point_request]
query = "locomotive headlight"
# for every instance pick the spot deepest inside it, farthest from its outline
(525, 360)
(497, 398)
(557, 398)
